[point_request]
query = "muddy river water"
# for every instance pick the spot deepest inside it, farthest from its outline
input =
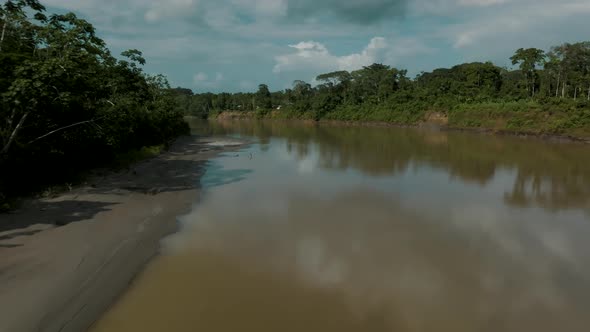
(331, 228)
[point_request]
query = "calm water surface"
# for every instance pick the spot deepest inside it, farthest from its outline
(375, 229)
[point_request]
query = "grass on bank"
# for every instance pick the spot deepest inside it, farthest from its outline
(545, 117)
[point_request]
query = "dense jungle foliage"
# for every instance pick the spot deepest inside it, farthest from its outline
(67, 104)
(546, 93)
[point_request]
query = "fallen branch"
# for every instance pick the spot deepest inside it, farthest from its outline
(62, 128)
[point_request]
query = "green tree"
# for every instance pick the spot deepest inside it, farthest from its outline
(67, 103)
(263, 98)
(528, 60)
(335, 78)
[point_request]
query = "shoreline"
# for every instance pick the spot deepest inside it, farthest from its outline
(446, 128)
(65, 260)
(233, 116)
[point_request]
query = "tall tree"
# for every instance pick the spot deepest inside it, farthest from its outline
(14, 21)
(528, 60)
(263, 97)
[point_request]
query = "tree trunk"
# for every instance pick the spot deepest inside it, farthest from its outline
(557, 87)
(14, 133)
(589, 93)
(534, 84)
(3, 33)
(563, 90)
(576, 93)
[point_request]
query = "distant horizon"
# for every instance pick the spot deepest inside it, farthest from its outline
(234, 45)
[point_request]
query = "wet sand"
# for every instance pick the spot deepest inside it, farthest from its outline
(65, 260)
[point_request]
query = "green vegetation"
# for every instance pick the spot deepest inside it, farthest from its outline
(68, 105)
(549, 93)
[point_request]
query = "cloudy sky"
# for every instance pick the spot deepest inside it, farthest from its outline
(233, 45)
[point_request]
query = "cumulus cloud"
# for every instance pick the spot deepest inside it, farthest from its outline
(314, 55)
(247, 38)
(311, 54)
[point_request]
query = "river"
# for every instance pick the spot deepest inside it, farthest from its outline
(336, 228)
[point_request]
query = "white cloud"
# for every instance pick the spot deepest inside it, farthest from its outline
(371, 54)
(311, 54)
(246, 37)
(201, 77)
(202, 80)
(314, 55)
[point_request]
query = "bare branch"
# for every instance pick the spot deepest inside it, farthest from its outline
(62, 128)
(3, 32)
(14, 133)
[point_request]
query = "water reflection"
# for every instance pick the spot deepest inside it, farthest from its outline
(553, 176)
(374, 229)
(217, 175)
(359, 261)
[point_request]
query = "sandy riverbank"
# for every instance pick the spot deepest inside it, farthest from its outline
(65, 260)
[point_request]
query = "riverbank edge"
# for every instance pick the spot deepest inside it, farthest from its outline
(438, 124)
(120, 161)
(64, 278)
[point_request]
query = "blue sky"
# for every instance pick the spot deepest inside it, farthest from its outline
(233, 45)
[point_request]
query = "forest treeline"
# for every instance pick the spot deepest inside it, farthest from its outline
(67, 104)
(547, 92)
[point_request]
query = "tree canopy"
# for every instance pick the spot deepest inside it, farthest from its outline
(66, 103)
(556, 81)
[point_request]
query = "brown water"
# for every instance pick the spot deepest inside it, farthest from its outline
(375, 229)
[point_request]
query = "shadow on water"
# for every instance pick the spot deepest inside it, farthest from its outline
(18, 234)
(52, 213)
(10, 246)
(151, 177)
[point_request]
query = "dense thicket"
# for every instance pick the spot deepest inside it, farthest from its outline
(548, 92)
(66, 103)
